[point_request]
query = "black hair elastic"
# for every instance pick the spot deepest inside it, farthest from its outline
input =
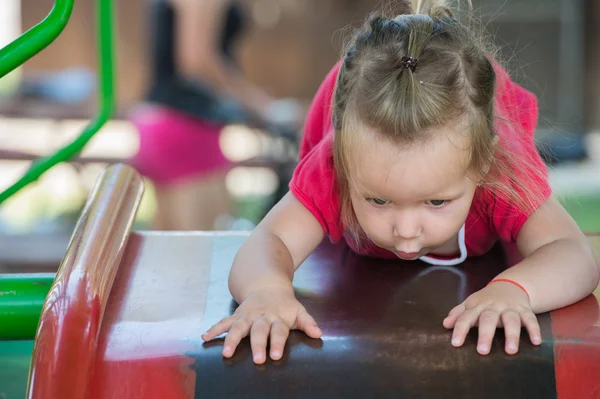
(409, 63)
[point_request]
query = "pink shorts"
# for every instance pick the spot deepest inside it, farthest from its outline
(174, 146)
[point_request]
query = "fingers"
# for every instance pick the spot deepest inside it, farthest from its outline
(279, 335)
(306, 323)
(261, 328)
(259, 333)
(450, 320)
(463, 324)
(239, 329)
(277, 330)
(533, 327)
(488, 321)
(220, 328)
(512, 331)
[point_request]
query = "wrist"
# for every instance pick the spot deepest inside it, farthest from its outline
(510, 281)
(273, 286)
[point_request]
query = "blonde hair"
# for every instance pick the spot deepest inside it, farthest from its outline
(453, 78)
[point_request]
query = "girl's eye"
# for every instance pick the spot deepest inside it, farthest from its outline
(437, 203)
(378, 201)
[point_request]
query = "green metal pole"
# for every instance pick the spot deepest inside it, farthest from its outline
(106, 103)
(36, 38)
(21, 299)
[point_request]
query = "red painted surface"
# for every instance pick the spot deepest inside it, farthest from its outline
(71, 319)
(152, 320)
(147, 378)
(62, 353)
(576, 336)
(576, 331)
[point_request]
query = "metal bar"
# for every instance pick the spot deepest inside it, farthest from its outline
(37, 38)
(106, 103)
(21, 299)
(11, 155)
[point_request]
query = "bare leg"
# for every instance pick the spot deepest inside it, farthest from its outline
(192, 204)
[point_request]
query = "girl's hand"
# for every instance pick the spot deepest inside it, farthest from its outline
(265, 313)
(500, 305)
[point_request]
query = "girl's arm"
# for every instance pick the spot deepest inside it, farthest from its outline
(275, 249)
(261, 282)
(559, 267)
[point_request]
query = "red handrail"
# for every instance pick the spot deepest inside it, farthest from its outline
(67, 335)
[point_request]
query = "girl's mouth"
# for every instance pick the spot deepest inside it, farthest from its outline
(408, 255)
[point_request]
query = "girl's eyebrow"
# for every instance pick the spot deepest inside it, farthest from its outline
(454, 188)
(444, 194)
(369, 194)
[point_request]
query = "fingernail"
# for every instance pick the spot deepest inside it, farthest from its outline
(537, 339)
(257, 357)
(227, 349)
(512, 347)
(483, 348)
(455, 341)
(275, 354)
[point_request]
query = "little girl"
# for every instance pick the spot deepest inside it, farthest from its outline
(417, 146)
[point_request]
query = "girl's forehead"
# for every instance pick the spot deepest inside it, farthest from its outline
(436, 163)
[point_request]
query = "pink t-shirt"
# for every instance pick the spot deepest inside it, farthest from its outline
(490, 218)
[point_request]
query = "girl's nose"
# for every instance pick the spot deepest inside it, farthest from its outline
(407, 231)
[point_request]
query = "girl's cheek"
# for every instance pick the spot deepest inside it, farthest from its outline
(375, 227)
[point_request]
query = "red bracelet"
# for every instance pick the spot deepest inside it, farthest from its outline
(505, 280)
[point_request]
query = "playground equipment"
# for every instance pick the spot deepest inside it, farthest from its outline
(36, 39)
(123, 316)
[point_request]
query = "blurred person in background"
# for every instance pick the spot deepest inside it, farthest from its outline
(196, 88)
